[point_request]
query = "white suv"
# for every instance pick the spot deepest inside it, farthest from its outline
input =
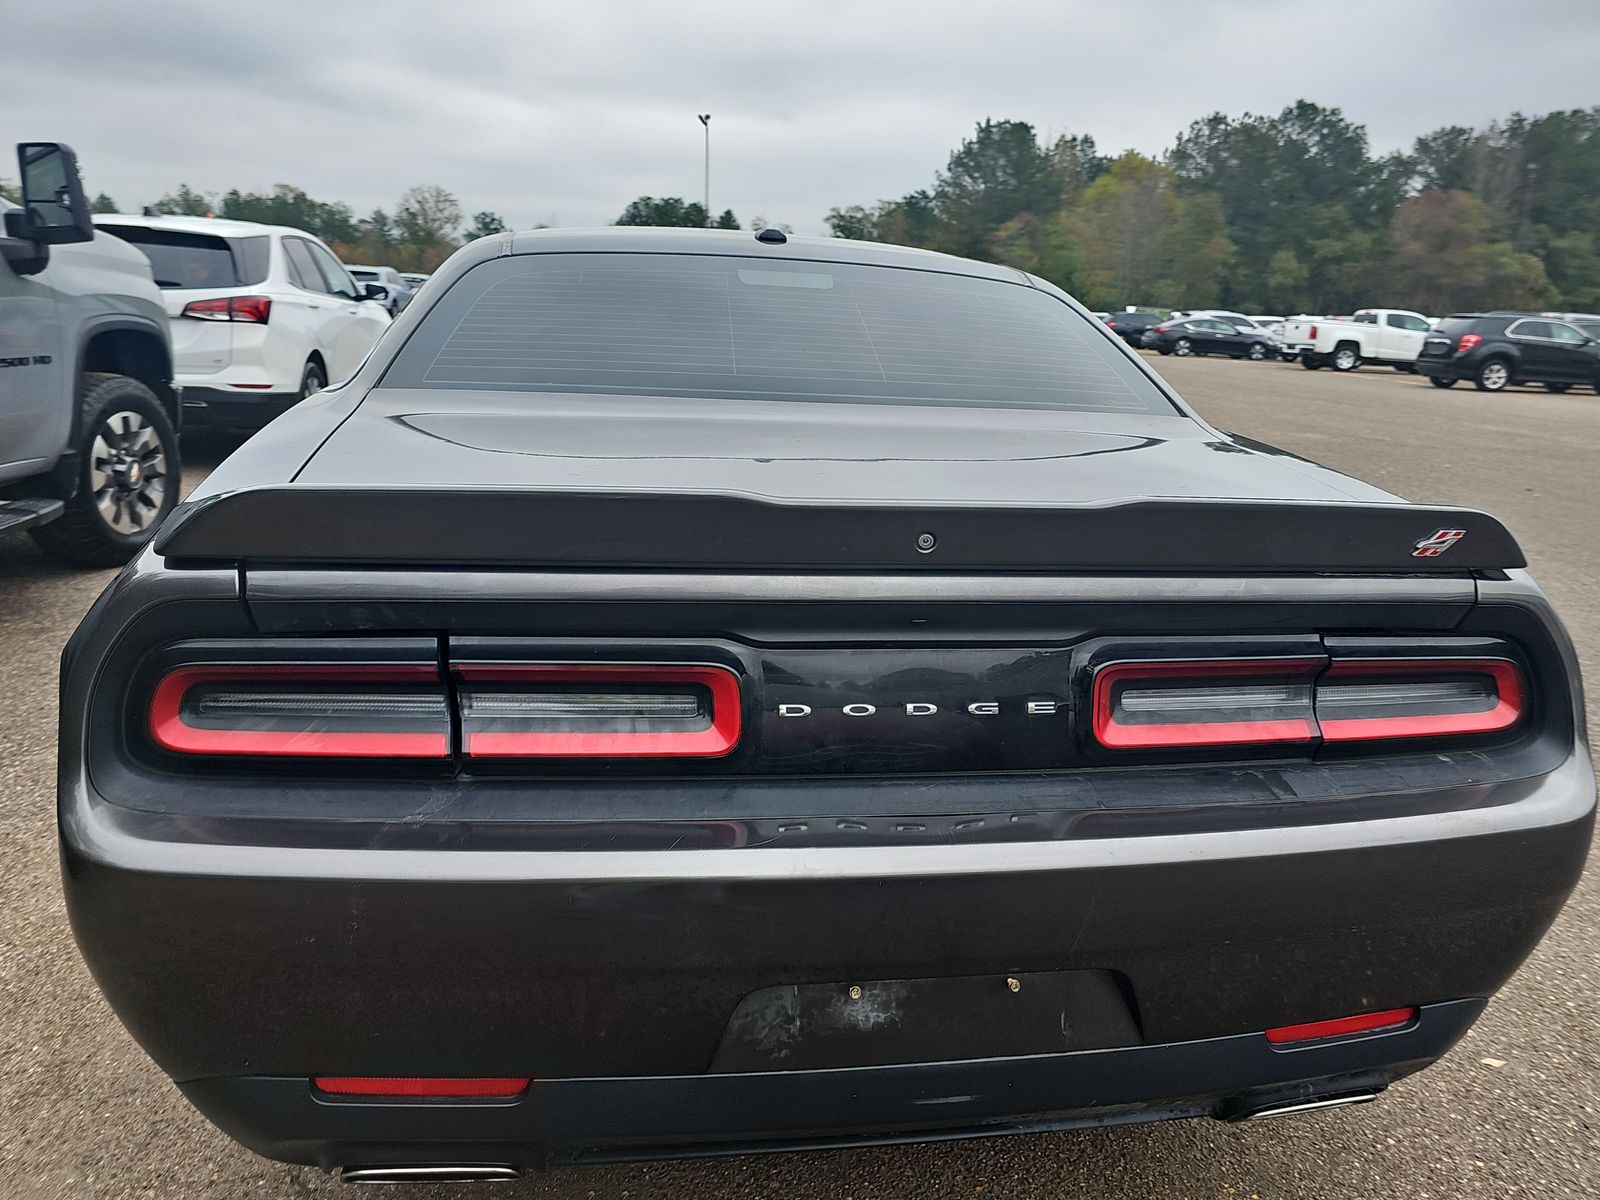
(261, 315)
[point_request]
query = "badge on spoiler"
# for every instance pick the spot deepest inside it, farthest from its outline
(1437, 543)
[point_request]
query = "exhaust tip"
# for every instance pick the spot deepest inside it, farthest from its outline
(431, 1173)
(1290, 1108)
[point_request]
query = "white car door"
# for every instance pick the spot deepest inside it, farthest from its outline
(354, 324)
(1403, 336)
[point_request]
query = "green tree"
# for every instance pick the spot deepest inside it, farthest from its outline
(428, 216)
(185, 202)
(671, 212)
(485, 224)
(1121, 229)
(991, 177)
(291, 206)
(103, 204)
(726, 221)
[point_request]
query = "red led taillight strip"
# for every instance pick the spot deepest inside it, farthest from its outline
(1506, 713)
(718, 738)
(171, 731)
(1118, 736)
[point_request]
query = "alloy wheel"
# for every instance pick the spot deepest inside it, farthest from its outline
(1494, 376)
(127, 472)
(1183, 348)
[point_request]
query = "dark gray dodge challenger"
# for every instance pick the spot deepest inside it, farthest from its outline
(698, 693)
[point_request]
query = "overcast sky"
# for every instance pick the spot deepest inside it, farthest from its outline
(562, 113)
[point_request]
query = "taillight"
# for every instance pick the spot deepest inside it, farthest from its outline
(1469, 341)
(1316, 1031)
(253, 310)
(1361, 700)
(1161, 329)
(590, 710)
(1154, 705)
(1166, 704)
(1313, 334)
(303, 711)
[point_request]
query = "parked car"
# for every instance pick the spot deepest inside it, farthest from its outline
(261, 315)
(414, 280)
(399, 292)
(1384, 335)
(1131, 326)
(88, 413)
(1498, 350)
(530, 754)
(1208, 335)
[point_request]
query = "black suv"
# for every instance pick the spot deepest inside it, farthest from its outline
(1499, 349)
(1130, 326)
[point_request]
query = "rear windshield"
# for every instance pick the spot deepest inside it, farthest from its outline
(697, 325)
(198, 260)
(363, 273)
(1454, 327)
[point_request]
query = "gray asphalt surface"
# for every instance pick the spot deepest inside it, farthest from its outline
(1513, 1111)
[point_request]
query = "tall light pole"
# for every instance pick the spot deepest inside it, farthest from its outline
(705, 119)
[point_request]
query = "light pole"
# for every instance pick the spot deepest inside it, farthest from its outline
(705, 119)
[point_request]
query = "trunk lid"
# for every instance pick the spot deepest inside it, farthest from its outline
(518, 479)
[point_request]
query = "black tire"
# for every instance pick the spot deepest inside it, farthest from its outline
(1163, 350)
(1441, 383)
(1288, 357)
(1557, 388)
(1310, 362)
(1258, 352)
(1183, 347)
(121, 416)
(1494, 375)
(1346, 357)
(313, 379)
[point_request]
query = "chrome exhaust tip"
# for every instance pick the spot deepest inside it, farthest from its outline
(1290, 1107)
(433, 1173)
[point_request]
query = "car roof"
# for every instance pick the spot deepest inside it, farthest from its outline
(217, 226)
(641, 239)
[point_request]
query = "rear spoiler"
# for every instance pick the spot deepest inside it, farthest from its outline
(565, 529)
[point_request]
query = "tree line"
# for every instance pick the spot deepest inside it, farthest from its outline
(1286, 213)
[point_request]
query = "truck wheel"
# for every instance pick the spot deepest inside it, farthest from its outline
(127, 475)
(1346, 357)
(1437, 382)
(1493, 376)
(1310, 362)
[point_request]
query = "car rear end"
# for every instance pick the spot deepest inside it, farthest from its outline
(218, 283)
(460, 809)
(1300, 336)
(1459, 344)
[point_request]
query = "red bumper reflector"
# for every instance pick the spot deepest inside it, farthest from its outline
(297, 711)
(598, 710)
(1392, 1018)
(420, 1088)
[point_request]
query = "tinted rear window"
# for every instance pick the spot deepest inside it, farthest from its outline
(1454, 327)
(197, 260)
(646, 324)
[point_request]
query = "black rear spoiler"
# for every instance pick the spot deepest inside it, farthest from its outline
(564, 529)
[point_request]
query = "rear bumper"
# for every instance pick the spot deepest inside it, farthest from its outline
(210, 407)
(579, 1120)
(246, 970)
(1445, 368)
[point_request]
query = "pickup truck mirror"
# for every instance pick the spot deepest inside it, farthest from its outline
(374, 291)
(54, 208)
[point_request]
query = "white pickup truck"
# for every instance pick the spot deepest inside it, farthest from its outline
(1386, 335)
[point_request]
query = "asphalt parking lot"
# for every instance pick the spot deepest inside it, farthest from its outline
(1513, 1111)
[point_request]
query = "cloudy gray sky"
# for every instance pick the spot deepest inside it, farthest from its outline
(561, 113)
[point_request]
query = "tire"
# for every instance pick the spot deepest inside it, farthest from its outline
(128, 475)
(1493, 376)
(313, 379)
(1164, 351)
(1346, 357)
(1288, 357)
(1441, 383)
(1557, 388)
(1183, 347)
(1258, 352)
(1310, 362)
